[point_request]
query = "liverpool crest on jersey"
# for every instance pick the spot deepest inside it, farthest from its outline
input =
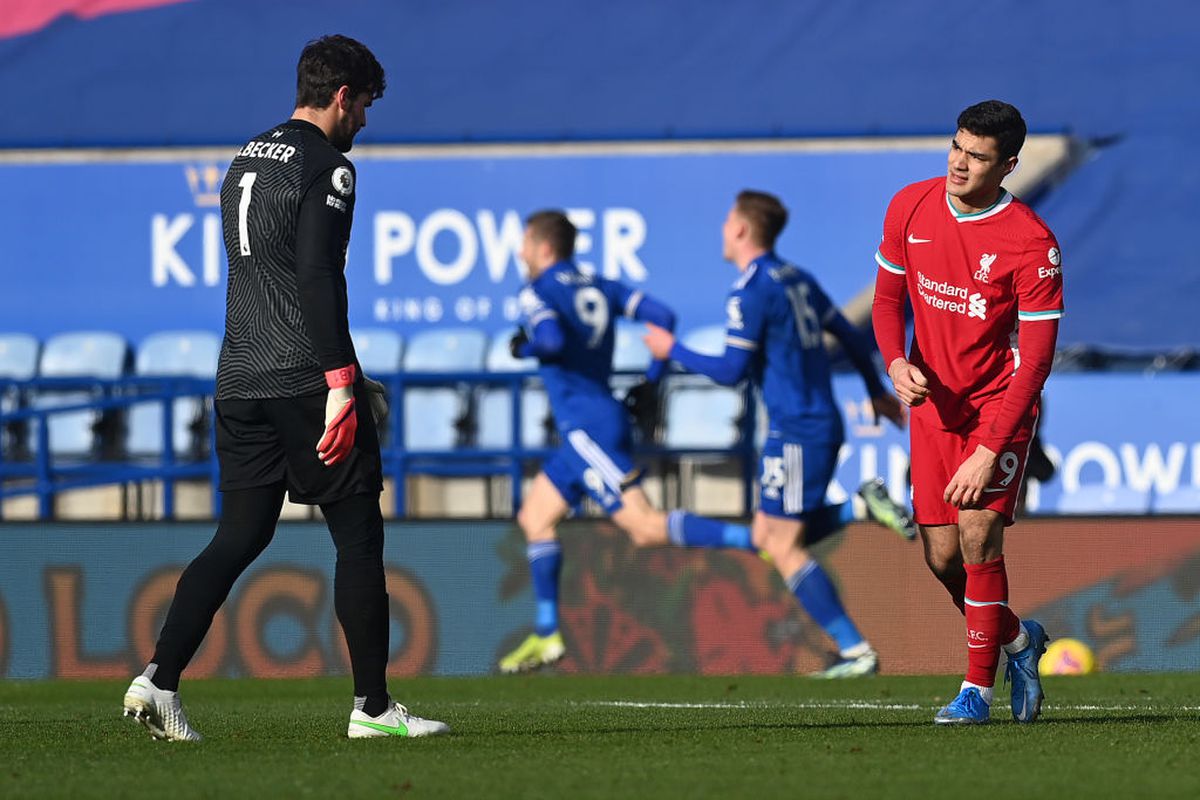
(985, 267)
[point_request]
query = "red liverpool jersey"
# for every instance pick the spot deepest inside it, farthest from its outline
(970, 278)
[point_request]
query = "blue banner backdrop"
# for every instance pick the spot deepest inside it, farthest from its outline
(135, 246)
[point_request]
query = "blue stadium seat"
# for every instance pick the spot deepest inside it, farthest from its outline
(191, 354)
(500, 359)
(18, 356)
(1184, 500)
(698, 412)
(86, 354)
(629, 351)
(709, 340)
(494, 413)
(433, 415)
(1099, 499)
(702, 416)
(18, 362)
(495, 418)
(379, 350)
(446, 350)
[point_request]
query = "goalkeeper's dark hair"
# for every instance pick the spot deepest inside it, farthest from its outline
(553, 227)
(765, 214)
(331, 62)
(1001, 121)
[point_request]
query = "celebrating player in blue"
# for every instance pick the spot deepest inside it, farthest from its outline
(569, 322)
(777, 314)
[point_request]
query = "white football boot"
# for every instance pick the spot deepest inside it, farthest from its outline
(159, 711)
(396, 721)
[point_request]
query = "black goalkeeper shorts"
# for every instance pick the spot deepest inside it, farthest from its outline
(261, 442)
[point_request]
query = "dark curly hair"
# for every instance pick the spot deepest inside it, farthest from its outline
(331, 62)
(999, 120)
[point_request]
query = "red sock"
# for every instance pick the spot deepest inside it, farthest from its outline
(990, 623)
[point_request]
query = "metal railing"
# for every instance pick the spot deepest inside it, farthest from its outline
(46, 474)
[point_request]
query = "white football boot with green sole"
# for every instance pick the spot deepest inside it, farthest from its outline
(396, 721)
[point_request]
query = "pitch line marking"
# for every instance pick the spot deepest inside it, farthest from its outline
(853, 705)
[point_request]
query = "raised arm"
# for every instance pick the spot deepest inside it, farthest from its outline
(726, 369)
(743, 329)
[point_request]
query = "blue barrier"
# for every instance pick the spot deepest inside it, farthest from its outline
(1110, 435)
(45, 475)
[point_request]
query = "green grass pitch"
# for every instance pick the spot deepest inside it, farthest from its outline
(558, 736)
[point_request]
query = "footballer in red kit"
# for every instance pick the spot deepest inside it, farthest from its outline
(984, 275)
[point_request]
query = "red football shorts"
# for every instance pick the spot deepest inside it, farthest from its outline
(937, 454)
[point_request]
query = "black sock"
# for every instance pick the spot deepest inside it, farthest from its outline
(248, 518)
(360, 593)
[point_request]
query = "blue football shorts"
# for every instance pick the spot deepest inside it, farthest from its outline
(590, 463)
(795, 476)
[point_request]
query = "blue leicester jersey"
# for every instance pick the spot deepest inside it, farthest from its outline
(585, 308)
(778, 312)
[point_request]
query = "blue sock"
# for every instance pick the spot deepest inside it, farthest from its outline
(545, 561)
(689, 530)
(817, 595)
(845, 514)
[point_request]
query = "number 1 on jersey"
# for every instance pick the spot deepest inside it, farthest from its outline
(245, 183)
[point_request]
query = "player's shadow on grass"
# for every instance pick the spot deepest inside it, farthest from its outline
(1123, 719)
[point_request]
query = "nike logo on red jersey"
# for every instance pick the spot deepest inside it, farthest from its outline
(914, 240)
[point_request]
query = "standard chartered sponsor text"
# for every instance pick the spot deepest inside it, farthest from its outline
(930, 289)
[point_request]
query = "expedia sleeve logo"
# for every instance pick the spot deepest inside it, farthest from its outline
(343, 181)
(1055, 268)
(530, 302)
(733, 312)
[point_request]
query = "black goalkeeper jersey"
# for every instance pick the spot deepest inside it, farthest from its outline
(286, 208)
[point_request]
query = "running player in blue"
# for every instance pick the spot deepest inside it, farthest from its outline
(777, 314)
(568, 325)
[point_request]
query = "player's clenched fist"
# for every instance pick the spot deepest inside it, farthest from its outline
(966, 488)
(912, 387)
(659, 341)
(341, 419)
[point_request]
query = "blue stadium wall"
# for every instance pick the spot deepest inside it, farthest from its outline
(212, 72)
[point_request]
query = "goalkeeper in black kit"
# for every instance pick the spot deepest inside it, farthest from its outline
(294, 413)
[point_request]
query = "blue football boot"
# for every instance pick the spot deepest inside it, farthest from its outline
(1022, 672)
(969, 708)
